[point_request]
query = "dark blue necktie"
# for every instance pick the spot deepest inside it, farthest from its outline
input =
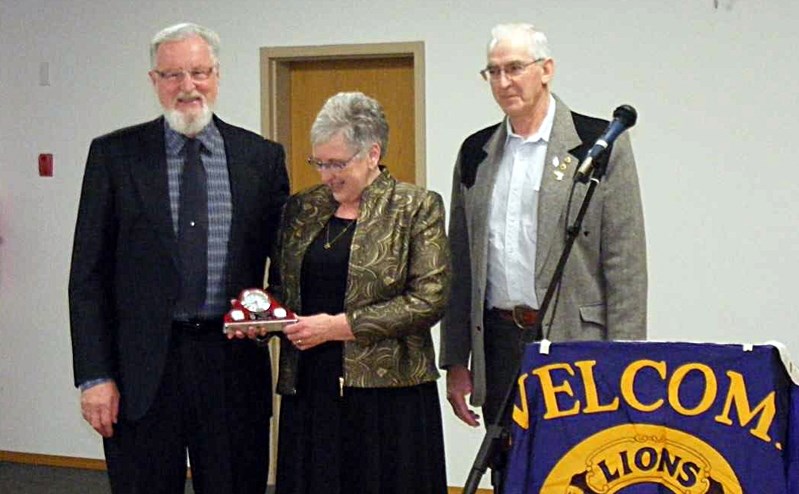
(193, 232)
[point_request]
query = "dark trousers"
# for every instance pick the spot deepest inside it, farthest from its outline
(504, 348)
(214, 401)
(502, 341)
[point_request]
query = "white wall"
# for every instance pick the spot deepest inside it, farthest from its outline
(714, 88)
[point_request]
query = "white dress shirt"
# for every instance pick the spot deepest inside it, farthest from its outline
(513, 221)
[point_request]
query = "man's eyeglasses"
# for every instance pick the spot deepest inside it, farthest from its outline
(332, 165)
(178, 76)
(511, 70)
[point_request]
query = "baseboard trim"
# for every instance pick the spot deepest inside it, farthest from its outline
(52, 460)
(93, 464)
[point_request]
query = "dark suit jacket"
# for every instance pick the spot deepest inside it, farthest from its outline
(124, 277)
(604, 285)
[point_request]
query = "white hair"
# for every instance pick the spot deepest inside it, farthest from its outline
(359, 119)
(536, 41)
(183, 31)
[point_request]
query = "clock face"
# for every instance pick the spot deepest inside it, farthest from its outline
(255, 301)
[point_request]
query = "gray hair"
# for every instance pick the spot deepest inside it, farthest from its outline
(537, 44)
(182, 31)
(359, 119)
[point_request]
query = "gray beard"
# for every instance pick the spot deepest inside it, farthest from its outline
(188, 125)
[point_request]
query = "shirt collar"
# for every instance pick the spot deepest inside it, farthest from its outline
(175, 140)
(544, 130)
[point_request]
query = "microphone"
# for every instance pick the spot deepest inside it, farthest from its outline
(624, 117)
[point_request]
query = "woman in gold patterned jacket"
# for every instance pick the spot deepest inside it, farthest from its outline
(365, 262)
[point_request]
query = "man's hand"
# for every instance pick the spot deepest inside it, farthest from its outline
(100, 407)
(459, 384)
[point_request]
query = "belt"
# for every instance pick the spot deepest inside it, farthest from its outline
(522, 316)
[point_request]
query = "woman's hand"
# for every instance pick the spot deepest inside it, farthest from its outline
(310, 331)
(255, 332)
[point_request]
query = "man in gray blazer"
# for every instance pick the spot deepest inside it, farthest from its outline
(176, 217)
(510, 198)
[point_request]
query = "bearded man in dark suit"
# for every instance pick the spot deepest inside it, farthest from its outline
(176, 217)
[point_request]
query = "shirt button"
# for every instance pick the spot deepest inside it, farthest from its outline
(192, 223)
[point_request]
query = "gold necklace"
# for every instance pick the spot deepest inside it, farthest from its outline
(329, 243)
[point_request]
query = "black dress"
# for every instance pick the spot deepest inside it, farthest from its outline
(343, 440)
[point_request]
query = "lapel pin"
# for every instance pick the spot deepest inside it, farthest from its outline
(558, 175)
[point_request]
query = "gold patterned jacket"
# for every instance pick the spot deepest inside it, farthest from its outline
(397, 283)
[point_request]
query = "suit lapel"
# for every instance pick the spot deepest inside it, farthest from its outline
(149, 174)
(247, 193)
(242, 182)
(559, 168)
(483, 189)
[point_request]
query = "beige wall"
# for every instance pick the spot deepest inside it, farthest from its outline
(714, 89)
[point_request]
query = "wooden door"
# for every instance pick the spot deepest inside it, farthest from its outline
(298, 80)
(389, 81)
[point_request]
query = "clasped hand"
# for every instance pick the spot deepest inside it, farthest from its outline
(308, 331)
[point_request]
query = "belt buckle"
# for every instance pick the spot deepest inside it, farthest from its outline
(519, 316)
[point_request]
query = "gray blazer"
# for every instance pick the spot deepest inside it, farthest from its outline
(603, 289)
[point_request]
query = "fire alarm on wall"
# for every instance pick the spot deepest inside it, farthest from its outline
(46, 165)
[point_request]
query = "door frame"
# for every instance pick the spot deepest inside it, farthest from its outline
(275, 84)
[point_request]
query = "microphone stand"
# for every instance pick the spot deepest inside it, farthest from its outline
(494, 448)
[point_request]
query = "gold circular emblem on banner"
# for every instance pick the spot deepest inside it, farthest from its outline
(631, 454)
